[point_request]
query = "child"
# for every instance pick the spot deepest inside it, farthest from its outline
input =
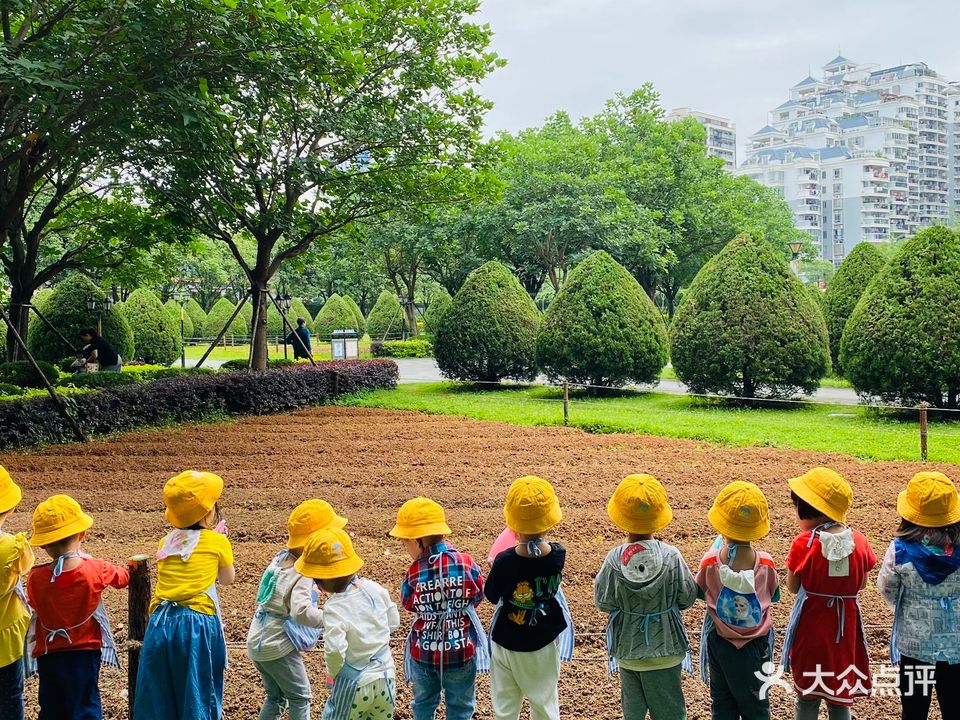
(70, 632)
(184, 652)
(287, 620)
(919, 580)
(643, 585)
(16, 559)
(531, 613)
(358, 619)
(828, 563)
(446, 646)
(739, 584)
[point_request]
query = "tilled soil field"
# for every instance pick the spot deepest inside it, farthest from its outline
(368, 462)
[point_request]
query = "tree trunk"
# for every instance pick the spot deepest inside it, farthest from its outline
(952, 393)
(410, 310)
(20, 317)
(749, 389)
(258, 333)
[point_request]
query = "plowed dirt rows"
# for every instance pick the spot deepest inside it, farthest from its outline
(367, 462)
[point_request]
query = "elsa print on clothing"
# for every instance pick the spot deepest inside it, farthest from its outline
(738, 609)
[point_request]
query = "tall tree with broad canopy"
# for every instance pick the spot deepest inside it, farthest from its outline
(339, 111)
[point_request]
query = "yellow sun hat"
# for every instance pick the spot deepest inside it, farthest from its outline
(190, 496)
(10, 493)
(930, 500)
(308, 517)
(419, 518)
(532, 506)
(328, 555)
(825, 490)
(740, 512)
(56, 519)
(639, 505)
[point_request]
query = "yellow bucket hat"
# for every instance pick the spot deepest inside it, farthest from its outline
(740, 512)
(190, 496)
(930, 500)
(10, 494)
(56, 519)
(328, 554)
(308, 517)
(639, 505)
(825, 490)
(532, 506)
(420, 518)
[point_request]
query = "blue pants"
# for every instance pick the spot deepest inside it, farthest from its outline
(69, 685)
(11, 691)
(181, 666)
(458, 686)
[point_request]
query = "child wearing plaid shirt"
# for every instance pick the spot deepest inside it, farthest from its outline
(446, 646)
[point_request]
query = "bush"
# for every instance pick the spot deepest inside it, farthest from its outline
(66, 309)
(272, 364)
(275, 326)
(902, 341)
(386, 319)
(602, 328)
(435, 312)
(748, 328)
(99, 380)
(489, 332)
(218, 316)
(8, 390)
(335, 315)
(847, 286)
(22, 374)
(198, 317)
(34, 421)
(357, 315)
(155, 337)
(415, 348)
(173, 310)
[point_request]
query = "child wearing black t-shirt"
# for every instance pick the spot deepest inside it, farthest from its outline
(531, 614)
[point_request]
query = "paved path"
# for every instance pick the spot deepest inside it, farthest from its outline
(425, 370)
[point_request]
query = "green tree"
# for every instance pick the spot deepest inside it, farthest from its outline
(386, 320)
(66, 309)
(851, 279)
(219, 315)
(489, 332)
(155, 335)
(902, 341)
(335, 315)
(173, 310)
(602, 328)
(746, 327)
(367, 109)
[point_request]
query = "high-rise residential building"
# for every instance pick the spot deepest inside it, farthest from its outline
(863, 154)
(721, 134)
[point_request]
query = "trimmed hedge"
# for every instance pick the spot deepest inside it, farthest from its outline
(415, 348)
(490, 331)
(386, 319)
(272, 364)
(22, 374)
(155, 337)
(198, 316)
(8, 390)
(173, 310)
(335, 315)
(747, 327)
(218, 316)
(902, 342)
(357, 314)
(844, 292)
(35, 421)
(275, 324)
(435, 312)
(66, 308)
(129, 376)
(602, 328)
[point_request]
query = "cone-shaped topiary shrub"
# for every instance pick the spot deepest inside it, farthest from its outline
(173, 310)
(902, 342)
(357, 315)
(851, 279)
(747, 327)
(155, 336)
(435, 312)
(490, 331)
(218, 316)
(335, 315)
(386, 319)
(66, 308)
(275, 324)
(602, 328)
(197, 316)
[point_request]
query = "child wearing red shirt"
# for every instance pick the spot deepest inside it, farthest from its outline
(70, 633)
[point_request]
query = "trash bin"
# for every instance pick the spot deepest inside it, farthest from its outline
(344, 345)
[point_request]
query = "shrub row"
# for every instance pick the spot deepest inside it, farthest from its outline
(190, 398)
(22, 374)
(414, 348)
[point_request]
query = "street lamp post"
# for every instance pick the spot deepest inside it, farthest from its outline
(99, 307)
(795, 248)
(181, 297)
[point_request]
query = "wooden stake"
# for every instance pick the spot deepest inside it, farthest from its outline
(138, 606)
(566, 403)
(923, 430)
(223, 332)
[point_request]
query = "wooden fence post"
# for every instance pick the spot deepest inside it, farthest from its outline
(138, 605)
(566, 403)
(923, 430)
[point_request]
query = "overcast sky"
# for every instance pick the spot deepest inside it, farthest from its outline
(737, 58)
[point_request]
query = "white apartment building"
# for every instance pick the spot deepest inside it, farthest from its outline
(721, 134)
(863, 154)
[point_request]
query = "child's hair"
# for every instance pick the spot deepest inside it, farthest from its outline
(198, 525)
(805, 511)
(938, 537)
(429, 540)
(57, 548)
(336, 584)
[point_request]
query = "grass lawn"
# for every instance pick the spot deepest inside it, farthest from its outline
(668, 373)
(242, 352)
(855, 431)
